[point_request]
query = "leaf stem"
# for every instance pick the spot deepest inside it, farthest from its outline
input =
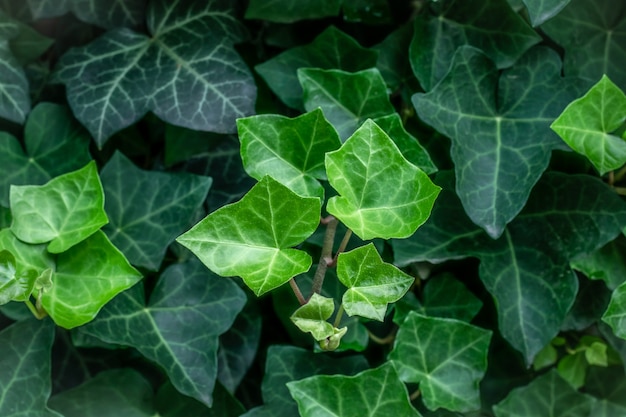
(338, 317)
(620, 174)
(297, 292)
(326, 257)
(387, 340)
(415, 395)
(39, 314)
(620, 190)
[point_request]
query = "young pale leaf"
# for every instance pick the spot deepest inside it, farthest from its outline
(289, 150)
(14, 286)
(288, 11)
(148, 210)
(540, 11)
(27, 256)
(587, 123)
(497, 168)
(253, 237)
(44, 158)
(331, 49)
(64, 211)
(372, 283)
(348, 98)
(179, 328)
(447, 357)
(203, 82)
(381, 193)
(373, 393)
(87, 277)
(615, 315)
(312, 317)
(547, 395)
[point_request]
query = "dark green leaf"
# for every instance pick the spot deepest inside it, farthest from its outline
(606, 264)
(608, 386)
(113, 13)
(170, 403)
(373, 12)
(29, 44)
(14, 98)
(615, 314)
(542, 10)
(591, 301)
(287, 11)
(393, 62)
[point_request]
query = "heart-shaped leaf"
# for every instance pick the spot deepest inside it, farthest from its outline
(288, 11)
(312, 317)
(289, 150)
(587, 123)
(64, 211)
(253, 238)
(447, 357)
(203, 83)
(615, 315)
(381, 193)
(372, 283)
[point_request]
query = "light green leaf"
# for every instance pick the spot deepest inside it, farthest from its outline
(371, 283)
(25, 381)
(87, 276)
(596, 353)
(186, 72)
(547, 395)
(113, 13)
(179, 328)
(14, 98)
(381, 193)
(615, 314)
(373, 393)
(27, 256)
(587, 123)
(64, 211)
(545, 357)
(331, 49)
(148, 209)
(253, 238)
(289, 150)
(497, 168)
(347, 98)
(607, 263)
(55, 144)
(573, 369)
(288, 11)
(312, 317)
(447, 357)
(14, 286)
(540, 11)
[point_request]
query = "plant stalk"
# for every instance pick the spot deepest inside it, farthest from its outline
(327, 254)
(338, 317)
(297, 292)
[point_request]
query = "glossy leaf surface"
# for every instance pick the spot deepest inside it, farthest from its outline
(14, 286)
(312, 317)
(27, 256)
(540, 11)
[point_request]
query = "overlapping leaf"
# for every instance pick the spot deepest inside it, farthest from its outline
(312, 317)
(540, 11)
(393, 62)
(29, 44)
(587, 124)
(447, 357)
(253, 238)
(331, 49)
(115, 13)
(373, 393)
(178, 328)
(27, 256)
(381, 193)
(64, 211)
(186, 72)
(14, 98)
(14, 286)
(289, 150)
(148, 210)
(607, 263)
(615, 315)
(288, 11)
(347, 98)
(608, 386)
(499, 126)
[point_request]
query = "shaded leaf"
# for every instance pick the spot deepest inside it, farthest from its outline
(111, 14)
(29, 44)
(381, 193)
(372, 12)
(288, 11)
(14, 98)
(253, 237)
(170, 403)
(608, 386)
(606, 264)
(541, 10)
(615, 314)
(393, 62)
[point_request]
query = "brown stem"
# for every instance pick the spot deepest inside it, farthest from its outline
(327, 253)
(342, 247)
(415, 395)
(297, 292)
(387, 340)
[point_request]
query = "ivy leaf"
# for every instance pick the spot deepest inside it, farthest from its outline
(112, 14)
(586, 125)
(87, 276)
(64, 211)
(593, 35)
(331, 49)
(203, 82)
(540, 11)
(348, 98)
(492, 27)
(381, 193)
(27, 256)
(548, 394)
(43, 158)
(393, 62)
(14, 286)
(170, 403)
(608, 386)
(447, 357)
(14, 97)
(372, 283)
(288, 11)
(25, 364)
(312, 317)
(29, 44)
(606, 264)
(497, 169)
(148, 210)
(373, 393)
(253, 238)
(289, 150)
(615, 314)
(179, 328)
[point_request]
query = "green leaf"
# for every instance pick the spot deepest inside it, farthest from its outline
(25, 362)
(87, 276)
(393, 62)
(573, 369)
(64, 211)
(447, 357)
(288, 11)
(489, 26)
(348, 98)
(147, 209)
(179, 328)
(371, 283)
(170, 403)
(593, 35)
(29, 44)
(289, 150)
(547, 395)
(608, 386)
(203, 82)
(615, 314)
(331, 49)
(253, 237)
(545, 357)
(27, 256)
(372, 393)
(312, 317)
(14, 286)
(55, 144)
(14, 98)
(540, 11)
(114, 13)
(497, 168)
(372, 12)
(606, 264)
(587, 123)
(381, 193)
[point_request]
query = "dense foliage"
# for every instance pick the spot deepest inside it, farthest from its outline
(324, 208)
